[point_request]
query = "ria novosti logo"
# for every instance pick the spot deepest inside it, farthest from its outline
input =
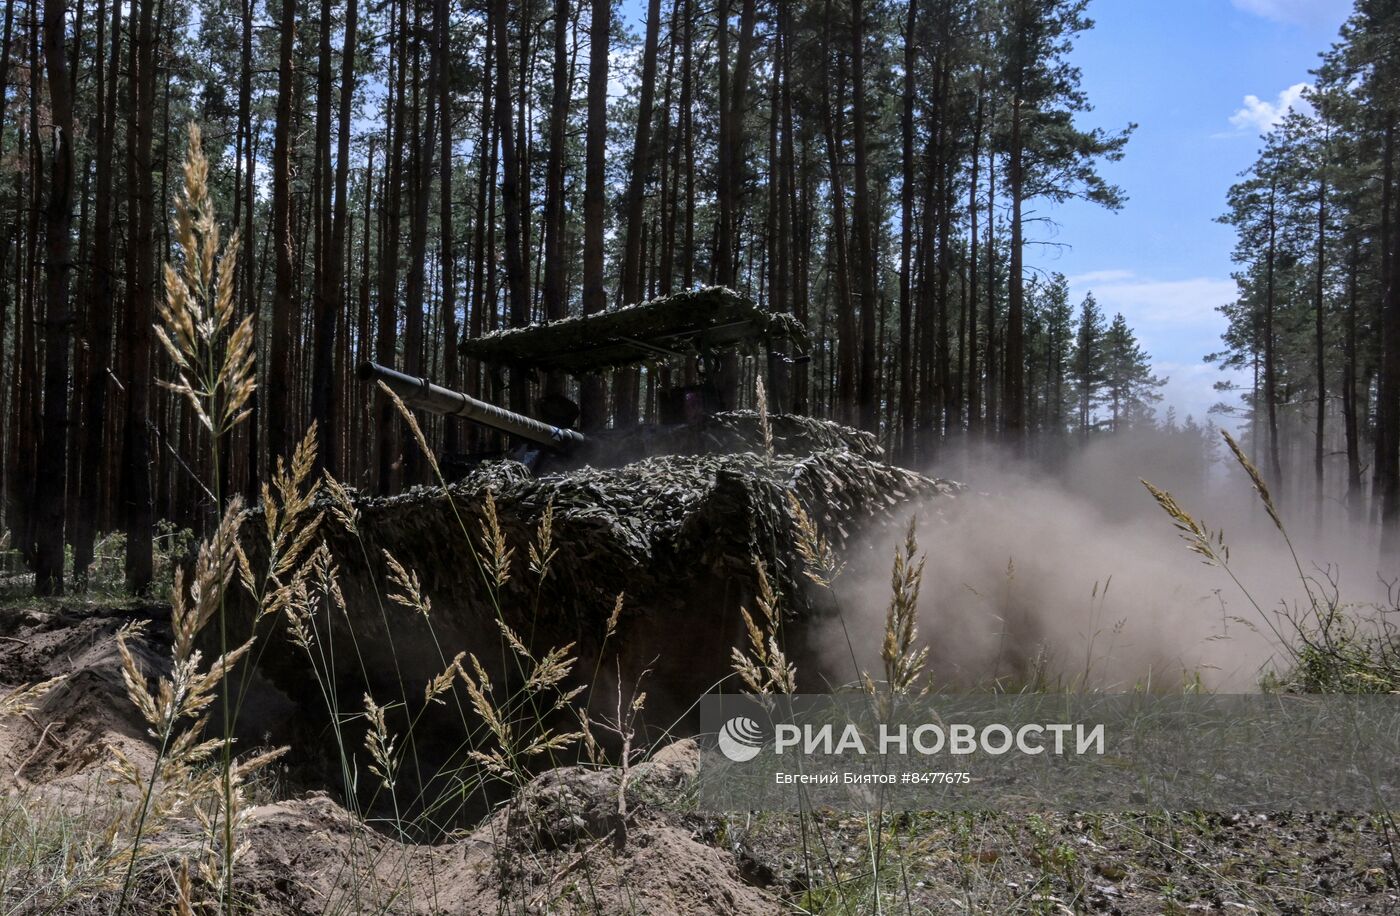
(741, 739)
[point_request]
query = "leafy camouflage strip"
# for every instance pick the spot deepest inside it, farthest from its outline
(679, 534)
(681, 323)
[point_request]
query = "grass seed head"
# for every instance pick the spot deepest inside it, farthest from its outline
(819, 561)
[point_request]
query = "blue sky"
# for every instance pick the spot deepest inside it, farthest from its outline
(1202, 78)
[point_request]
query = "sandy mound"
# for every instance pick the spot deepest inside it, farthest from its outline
(76, 726)
(562, 845)
(574, 839)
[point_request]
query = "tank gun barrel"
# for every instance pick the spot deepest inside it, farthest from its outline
(424, 395)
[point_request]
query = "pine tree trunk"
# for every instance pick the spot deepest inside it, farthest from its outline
(688, 154)
(733, 88)
(284, 298)
(386, 310)
(593, 406)
(906, 244)
(1349, 412)
(633, 278)
(720, 261)
(51, 483)
(1388, 396)
(845, 388)
(100, 308)
(926, 320)
(1319, 350)
(136, 477)
(669, 149)
(1270, 373)
(511, 197)
(864, 261)
(485, 145)
(10, 394)
(943, 170)
(250, 291)
(420, 177)
(330, 250)
(452, 430)
(780, 215)
(1014, 396)
(555, 267)
(331, 301)
(974, 380)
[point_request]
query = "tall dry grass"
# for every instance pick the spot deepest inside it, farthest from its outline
(1323, 642)
(212, 353)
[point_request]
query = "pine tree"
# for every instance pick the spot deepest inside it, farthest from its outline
(1047, 155)
(1057, 316)
(1089, 362)
(1130, 388)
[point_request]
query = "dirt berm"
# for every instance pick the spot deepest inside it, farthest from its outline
(679, 532)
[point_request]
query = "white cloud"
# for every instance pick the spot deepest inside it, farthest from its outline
(1157, 303)
(1101, 276)
(1304, 12)
(1264, 116)
(1191, 390)
(623, 66)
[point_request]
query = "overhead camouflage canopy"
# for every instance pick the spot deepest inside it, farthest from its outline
(742, 431)
(682, 324)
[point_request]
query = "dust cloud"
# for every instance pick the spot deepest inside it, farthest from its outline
(1076, 579)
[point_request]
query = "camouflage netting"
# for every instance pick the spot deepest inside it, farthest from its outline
(679, 534)
(679, 323)
(739, 431)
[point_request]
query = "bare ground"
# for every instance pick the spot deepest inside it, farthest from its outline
(579, 840)
(572, 841)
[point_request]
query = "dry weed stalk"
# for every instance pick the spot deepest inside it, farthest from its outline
(176, 716)
(819, 561)
(1200, 540)
(184, 892)
(543, 551)
(499, 553)
(288, 525)
(320, 587)
(442, 682)
(613, 618)
(413, 426)
(1256, 478)
(1210, 545)
(342, 506)
(410, 591)
(25, 699)
(513, 746)
(764, 426)
(213, 357)
(904, 660)
(624, 726)
(380, 745)
(764, 668)
(1212, 548)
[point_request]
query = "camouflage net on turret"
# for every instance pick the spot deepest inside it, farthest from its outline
(740, 431)
(651, 528)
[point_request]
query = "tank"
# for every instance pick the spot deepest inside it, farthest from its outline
(695, 333)
(675, 517)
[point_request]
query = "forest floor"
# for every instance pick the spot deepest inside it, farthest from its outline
(605, 841)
